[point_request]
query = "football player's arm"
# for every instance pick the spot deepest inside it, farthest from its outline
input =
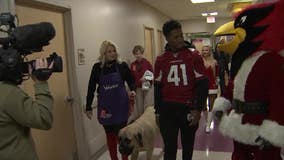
(157, 86)
(201, 84)
(201, 93)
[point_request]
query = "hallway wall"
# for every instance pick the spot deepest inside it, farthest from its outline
(119, 21)
(200, 25)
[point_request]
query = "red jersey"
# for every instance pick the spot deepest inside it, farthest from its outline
(138, 69)
(178, 74)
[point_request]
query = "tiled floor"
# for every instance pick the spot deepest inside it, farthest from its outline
(212, 146)
(197, 155)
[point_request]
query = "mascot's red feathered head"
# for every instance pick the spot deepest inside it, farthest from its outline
(258, 27)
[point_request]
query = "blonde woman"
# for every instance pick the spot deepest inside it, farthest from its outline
(211, 71)
(108, 78)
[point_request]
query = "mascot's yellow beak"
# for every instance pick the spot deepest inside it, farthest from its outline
(226, 30)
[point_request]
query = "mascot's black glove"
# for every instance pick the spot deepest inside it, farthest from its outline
(218, 115)
(264, 144)
(42, 74)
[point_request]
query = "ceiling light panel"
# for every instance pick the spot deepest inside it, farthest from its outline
(202, 1)
(213, 13)
(209, 14)
(204, 14)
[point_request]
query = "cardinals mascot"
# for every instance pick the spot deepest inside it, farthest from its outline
(251, 111)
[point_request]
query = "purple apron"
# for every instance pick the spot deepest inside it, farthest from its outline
(112, 99)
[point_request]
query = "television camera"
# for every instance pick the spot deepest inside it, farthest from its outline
(20, 42)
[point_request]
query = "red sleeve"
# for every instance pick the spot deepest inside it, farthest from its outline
(199, 67)
(132, 69)
(149, 66)
(157, 71)
(157, 85)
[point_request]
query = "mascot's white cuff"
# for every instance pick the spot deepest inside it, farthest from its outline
(272, 132)
(231, 126)
(213, 91)
(221, 104)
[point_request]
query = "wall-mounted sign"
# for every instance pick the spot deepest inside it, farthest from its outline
(210, 19)
(81, 56)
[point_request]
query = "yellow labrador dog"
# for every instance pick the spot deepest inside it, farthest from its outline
(139, 135)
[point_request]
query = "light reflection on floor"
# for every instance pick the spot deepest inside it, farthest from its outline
(197, 155)
(212, 146)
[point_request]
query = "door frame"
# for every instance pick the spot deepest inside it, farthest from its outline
(152, 41)
(161, 41)
(83, 152)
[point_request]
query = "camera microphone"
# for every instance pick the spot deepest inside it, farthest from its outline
(20, 42)
(33, 36)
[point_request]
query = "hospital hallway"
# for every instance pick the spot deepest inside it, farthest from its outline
(212, 146)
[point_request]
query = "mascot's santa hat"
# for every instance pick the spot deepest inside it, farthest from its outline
(257, 74)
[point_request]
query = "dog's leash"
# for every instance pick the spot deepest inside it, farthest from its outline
(131, 104)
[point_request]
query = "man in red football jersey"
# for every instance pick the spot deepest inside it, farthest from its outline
(181, 89)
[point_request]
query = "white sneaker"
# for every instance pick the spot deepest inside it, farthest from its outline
(207, 129)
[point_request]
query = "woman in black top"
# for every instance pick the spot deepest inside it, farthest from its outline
(110, 75)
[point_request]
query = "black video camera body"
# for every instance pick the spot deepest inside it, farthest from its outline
(20, 42)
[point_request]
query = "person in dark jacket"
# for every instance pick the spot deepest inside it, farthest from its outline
(180, 92)
(223, 63)
(108, 78)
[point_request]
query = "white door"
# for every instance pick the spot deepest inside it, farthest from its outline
(149, 44)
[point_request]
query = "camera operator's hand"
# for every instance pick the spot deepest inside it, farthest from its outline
(41, 71)
(218, 115)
